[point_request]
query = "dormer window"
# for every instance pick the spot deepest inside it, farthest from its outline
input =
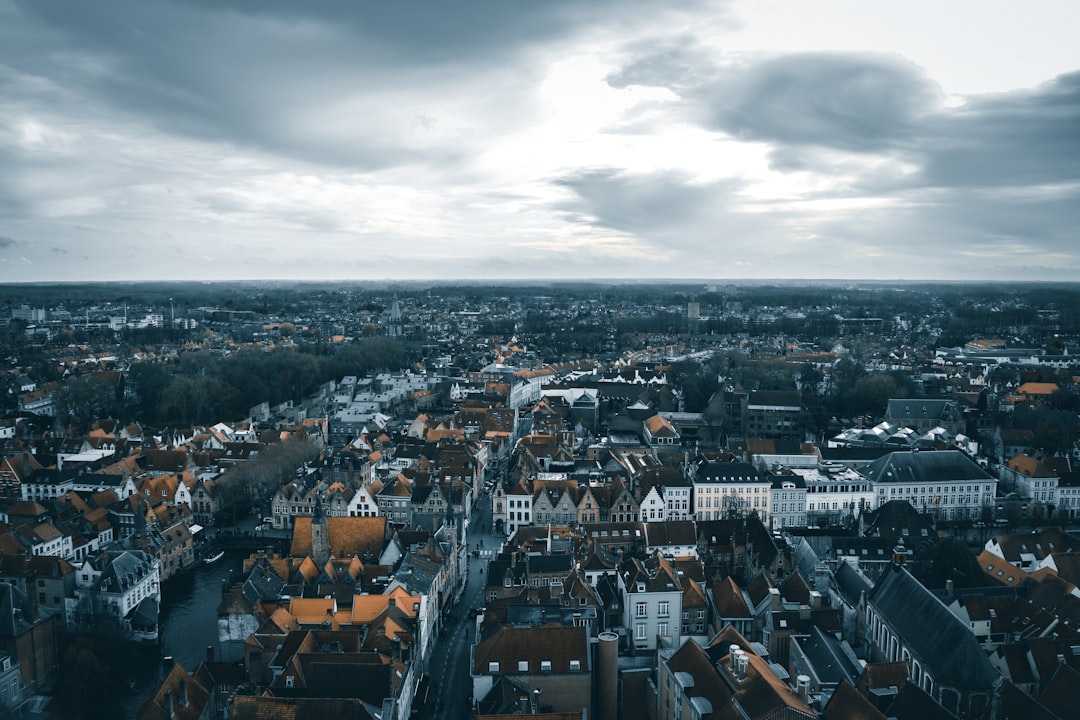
(575, 665)
(523, 666)
(545, 666)
(493, 666)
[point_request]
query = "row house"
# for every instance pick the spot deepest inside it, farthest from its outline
(44, 539)
(664, 494)
(556, 502)
(730, 489)
(429, 506)
(395, 500)
(291, 500)
(652, 594)
(833, 493)
(787, 500)
(14, 469)
(206, 499)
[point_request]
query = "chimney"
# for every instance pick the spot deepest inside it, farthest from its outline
(733, 651)
(392, 601)
(949, 587)
(523, 704)
(167, 706)
(182, 698)
(209, 653)
(535, 701)
(774, 598)
(802, 685)
(899, 555)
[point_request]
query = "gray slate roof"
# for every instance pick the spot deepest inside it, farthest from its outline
(924, 467)
(943, 644)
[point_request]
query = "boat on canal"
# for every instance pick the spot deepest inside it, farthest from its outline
(215, 557)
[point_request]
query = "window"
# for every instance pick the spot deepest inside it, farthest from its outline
(663, 609)
(523, 666)
(640, 631)
(641, 610)
(545, 666)
(575, 665)
(493, 666)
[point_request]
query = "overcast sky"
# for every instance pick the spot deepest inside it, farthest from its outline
(497, 139)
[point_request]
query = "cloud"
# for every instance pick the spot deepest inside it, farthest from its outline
(1026, 137)
(332, 83)
(7, 242)
(858, 102)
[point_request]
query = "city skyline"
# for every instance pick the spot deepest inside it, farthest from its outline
(190, 140)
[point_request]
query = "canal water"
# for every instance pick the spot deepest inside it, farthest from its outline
(187, 620)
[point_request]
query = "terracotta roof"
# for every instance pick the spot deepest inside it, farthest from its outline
(181, 692)
(298, 708)
(728, 599)
(349, 536)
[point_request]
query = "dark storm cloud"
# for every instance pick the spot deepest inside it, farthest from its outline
(329, 82)
(1027, 137)
(6, 242)
(852, 101)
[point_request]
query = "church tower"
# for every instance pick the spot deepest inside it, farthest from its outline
(320, 537)
(396, 327)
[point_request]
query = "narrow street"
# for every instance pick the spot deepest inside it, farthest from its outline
(449, 681)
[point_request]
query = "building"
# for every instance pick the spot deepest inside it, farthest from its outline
(834, 494)
(652, 602)
(924, 414)
(730, 489)
(946, 483)
(787, 500)
(902, 621)
(552, 659)
(774, 415)
(119, 589)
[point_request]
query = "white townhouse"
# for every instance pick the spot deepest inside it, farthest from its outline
(652, 507)
(835, 492)
(946, 483)
(363, 503)
(787, 501)
(730, 489)
(652, 602)
(677, 502)
(519, 508)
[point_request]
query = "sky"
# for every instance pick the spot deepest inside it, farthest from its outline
(539, 139)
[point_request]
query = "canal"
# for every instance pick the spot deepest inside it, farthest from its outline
(187, 620)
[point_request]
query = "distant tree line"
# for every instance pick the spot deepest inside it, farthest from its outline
(204, 387)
